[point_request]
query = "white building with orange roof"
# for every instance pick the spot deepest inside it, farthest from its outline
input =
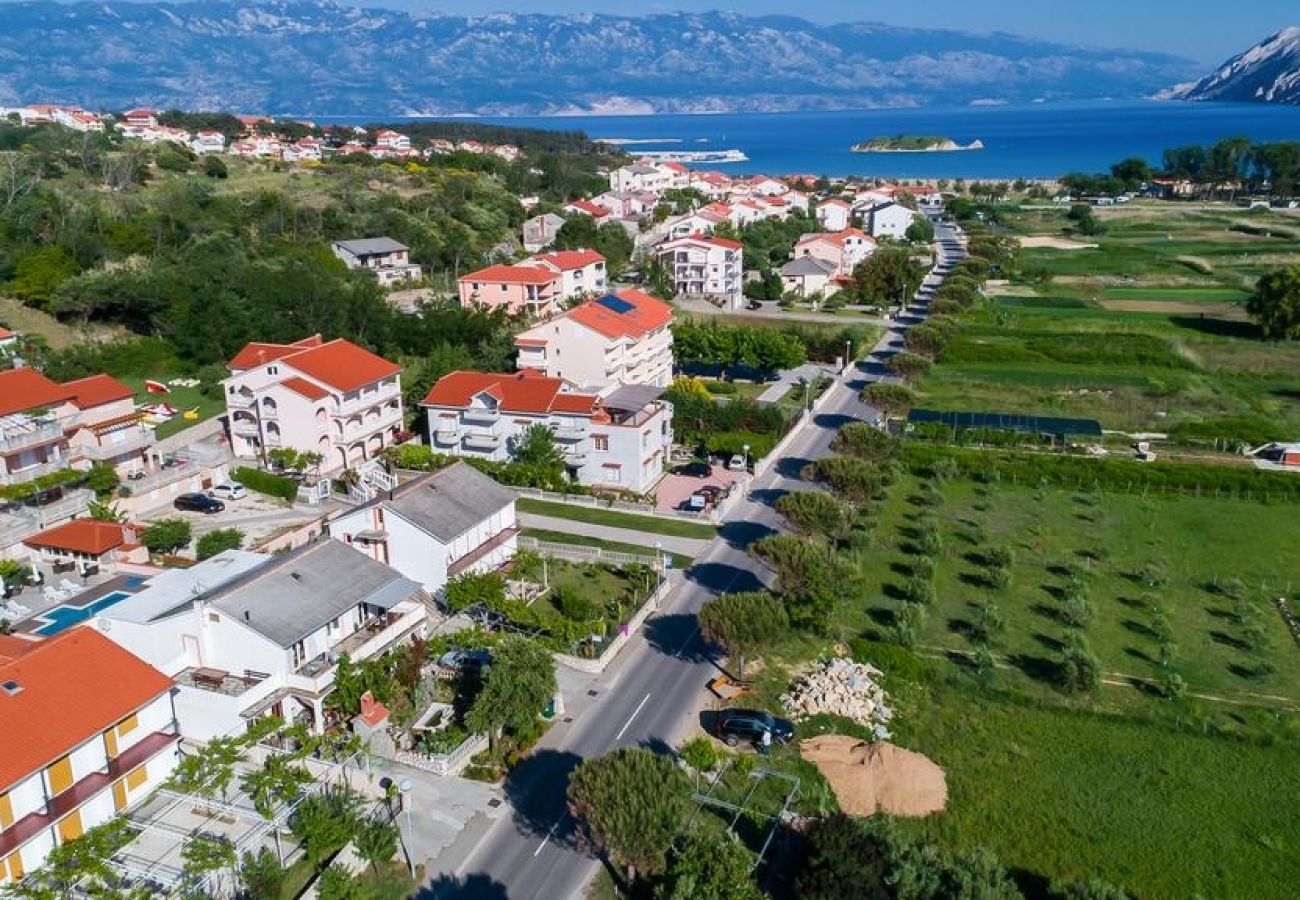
(618, 438)
(623, 338)
(587, 208)
(581, 271)
(705, 266)
(328, 397)
(89, 731)
(87, 543)
(834, 214)
(393, 142)
(701, 221)
(843, 249)
(108, 427)
(714, 185)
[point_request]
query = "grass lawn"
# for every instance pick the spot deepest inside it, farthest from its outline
(679, 560)
(615, 519)
(184, 399)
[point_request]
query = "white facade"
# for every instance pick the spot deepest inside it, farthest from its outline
(834, 215)
(581, 272)
(889, 220)
(208, 142)
(707, 267)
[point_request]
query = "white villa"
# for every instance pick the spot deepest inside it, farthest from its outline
(705, 266)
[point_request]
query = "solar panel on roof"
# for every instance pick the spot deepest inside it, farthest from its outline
(617, 304)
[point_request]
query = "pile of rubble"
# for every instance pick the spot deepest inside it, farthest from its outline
(841, 687)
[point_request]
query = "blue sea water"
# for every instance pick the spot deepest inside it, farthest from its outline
(1038, 140)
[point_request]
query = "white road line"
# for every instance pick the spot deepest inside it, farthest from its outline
(549, 834)
(639, 707)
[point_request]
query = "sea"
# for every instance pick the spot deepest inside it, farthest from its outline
(1041, 140)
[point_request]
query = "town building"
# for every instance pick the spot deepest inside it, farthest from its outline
(388, 260)
(88, 544)
(540, 231)
(623, 338)
(843, 249)
(700, 221)
(208, 142)
(329, 397)
(436, 526)
(246, 635)
(705, 266)
(393, 142)
(889, 220)
(834, 214)
(88, 732)
(808, 276)
(581, 271)
(533, 290)
(620, 438)
(587, 208)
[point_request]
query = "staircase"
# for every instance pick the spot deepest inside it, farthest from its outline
(372, 480)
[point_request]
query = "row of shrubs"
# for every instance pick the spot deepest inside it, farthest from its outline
(266, 483)
(1081, 472)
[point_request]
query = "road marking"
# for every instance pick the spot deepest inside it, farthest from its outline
(549, 834)
(639, 707)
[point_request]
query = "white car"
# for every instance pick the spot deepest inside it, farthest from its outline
(736, 463)
(232, 491)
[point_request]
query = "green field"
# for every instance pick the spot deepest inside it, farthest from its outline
(184, 399)
(680, 561)
(615, 519)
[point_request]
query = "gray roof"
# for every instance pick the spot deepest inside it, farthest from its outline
(371, 246)
(296, 593)
(174, 590)
(450, 502)
(633, 397)
(808, 265)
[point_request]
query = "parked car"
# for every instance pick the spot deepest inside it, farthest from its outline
(470, 663)
(696, 502)
(736, 463)
(200, 503)
(695, 469)
(230, 491)
(735, 725)
(711, 491)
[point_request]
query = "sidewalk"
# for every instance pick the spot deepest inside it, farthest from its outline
(685, 546)
(809, 372)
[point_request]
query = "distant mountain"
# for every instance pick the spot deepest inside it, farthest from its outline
(1269, 72)
(319, 58)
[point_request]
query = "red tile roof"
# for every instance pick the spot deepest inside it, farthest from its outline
(257, 354)
(711, 239)
(97, 390)
(23, 389)
(305, 388)
(521, 392)
(71, 688)
(12, 647)
(567, 260)
(595, 210)
(646, 315)
(342, 365)
(83, 536)
(502, 274)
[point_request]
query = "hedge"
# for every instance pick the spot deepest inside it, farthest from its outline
(1087, 473)
(266, 483)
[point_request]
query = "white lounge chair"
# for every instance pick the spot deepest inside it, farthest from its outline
(69, 587)
(18, 609)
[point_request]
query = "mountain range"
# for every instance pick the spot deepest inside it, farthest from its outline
(1269, 72)
(322, 58)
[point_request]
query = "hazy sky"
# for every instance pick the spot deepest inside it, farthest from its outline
(1200, 29)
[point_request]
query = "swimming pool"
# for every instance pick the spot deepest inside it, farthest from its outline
(64, 616)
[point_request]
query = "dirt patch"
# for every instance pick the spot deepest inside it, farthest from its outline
(1177, 308)
(25, 320)
(880, 777)
(1054, 243)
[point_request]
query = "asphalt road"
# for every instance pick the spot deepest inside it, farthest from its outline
(652, 694)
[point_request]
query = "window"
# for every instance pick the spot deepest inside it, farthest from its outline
(272, 370)
(128, 725)
(600, 443)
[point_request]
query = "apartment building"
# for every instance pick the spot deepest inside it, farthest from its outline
(436, 527)
(623, 338)
(834, 214)
(88, 731)
(617, 438)
(388, 260)
(843, 249)
(538, 286)
(329, 397)
(705, 266)
(246, 635)
(581, 271)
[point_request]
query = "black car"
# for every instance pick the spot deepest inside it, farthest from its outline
(735, 725)
(696, 469)
(200, 503)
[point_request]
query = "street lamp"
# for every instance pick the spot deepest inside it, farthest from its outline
(659, 555)
(848, 353)
(745, 449)
(404, 787)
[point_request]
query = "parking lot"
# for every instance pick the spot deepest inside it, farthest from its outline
(674, 490)
(258, 516)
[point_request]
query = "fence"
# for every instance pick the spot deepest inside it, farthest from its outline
(594, 502)
(584, 553)
(597, 665)
(444, 764)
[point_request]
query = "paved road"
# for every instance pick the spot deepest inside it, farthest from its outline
(651, 695)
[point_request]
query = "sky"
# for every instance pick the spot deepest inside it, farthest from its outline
(1203, 30)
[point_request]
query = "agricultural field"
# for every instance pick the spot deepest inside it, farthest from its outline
(1144, 333)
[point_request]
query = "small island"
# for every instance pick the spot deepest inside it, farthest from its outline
(914, 143)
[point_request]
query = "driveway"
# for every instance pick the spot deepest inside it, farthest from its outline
(258, 516)
(673, 490)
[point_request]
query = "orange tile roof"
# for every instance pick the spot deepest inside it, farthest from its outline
(25, 388)
(257, 353)
(595, 210)
(522, 392)
(712, 239)
(305, 388)
(72, 687)
(97, 390)
(12, 647)
(343, 365)
(646, 315)
(502, 274)
(82, 536)
(566, 260)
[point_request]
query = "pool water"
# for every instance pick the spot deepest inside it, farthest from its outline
(64, 616)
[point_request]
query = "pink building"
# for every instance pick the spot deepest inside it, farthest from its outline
(330, 397)
(517, 289)
(844, 249)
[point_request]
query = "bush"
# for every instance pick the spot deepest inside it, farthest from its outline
(722, 388)
(575, 606)
(215, 542)
(266, 483)
(700, 754)
(166, 536)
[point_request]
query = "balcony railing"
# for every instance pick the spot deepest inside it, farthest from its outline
(446, 437)
(373, 637)
(16, 434)
(366, 399)
(482, 441)
(482, 416)
(137, 440)
(385, 419)
(29, 473)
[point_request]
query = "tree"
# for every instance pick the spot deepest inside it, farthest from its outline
(325, 821)
(278, 783)
(518, 685)
(337, 883)
(104, 512)
(977, 875)
(84, 862)
(215, 542)
(214, 167)
(487, 589)
(909, 366)
(1080, 670)
(857, 481)
(1132, 172)
(815, 513)
(376, 842)
(209, 770)
(846, 857)
(205, 857)
(889, 275)
(743, 623)
(1093, 888)
(166, 536)
(39, 272)
(889, 397)
(1275, 304)
(262, 873)
(629, 805)
(921, 231)
(102, 479)
(708, 866)
(862, 441)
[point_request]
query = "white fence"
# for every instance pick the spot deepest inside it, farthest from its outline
(583, 553)
(444, 764)
(598, 664)
(593, 502)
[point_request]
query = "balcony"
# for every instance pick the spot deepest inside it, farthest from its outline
(19, 433)
(570, 433)
(135, 441)
(238, 400)
(446, 437)
(376, 635)
(481, 416)
(29, 473)
(367, 399)
(575, 459)
(483, 442)
(385, 419)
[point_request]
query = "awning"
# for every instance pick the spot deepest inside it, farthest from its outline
(392, 593)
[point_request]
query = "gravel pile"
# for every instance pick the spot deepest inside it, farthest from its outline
(841, 687)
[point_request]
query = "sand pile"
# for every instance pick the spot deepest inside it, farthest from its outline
(880, 777)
